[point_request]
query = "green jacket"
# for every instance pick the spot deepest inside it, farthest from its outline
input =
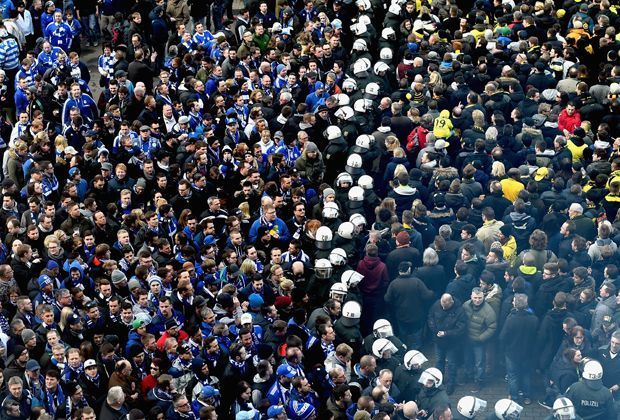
(481, 321)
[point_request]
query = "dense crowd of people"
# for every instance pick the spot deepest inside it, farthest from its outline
(288, 213)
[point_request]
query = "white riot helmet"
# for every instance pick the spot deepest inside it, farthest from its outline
(344, 178)
(379, 67)
(394, 9)
(330, 210)
(359, 28)
(383, 348)
(365, 182)
(431, 374)
(365, 19)
(592, 370)
(324, 237)
(356, 194)
(343, 99)
(358, 220)
(338, 257)
(414, 359)
(362, 105)
(359, 68)
(360, 45)
(354, 164)
(563, 409)
(333, 132)
(349, 84)
(351, 278)
(372, 89)
(382, 329)
(346, 230)
(363, 4)
(323, 268)
(388, 33)
(351, 313)
(338, 291)
(506, 409)
(469, 406)
(386, 53)
(344, 113)
(362, 144)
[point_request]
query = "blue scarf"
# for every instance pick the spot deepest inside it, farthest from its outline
(239, 366)
(328, 348)
(54, 400)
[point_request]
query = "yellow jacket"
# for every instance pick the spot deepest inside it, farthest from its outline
(511, 188)
(442, 127)
(510, 251)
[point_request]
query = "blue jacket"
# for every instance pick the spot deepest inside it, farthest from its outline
(9, 52)
(47, 60)
(87, 106)
(21, 101)
(277, 224)
(59, 35)
(6, 6)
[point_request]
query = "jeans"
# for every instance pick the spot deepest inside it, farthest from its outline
(91, 27)
(475, 357)
(106, 23)
(447, 357)
(519, 377)
(411, 334)
(217, 12)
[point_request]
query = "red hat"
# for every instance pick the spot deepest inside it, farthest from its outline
(283, 302)
(403, 238)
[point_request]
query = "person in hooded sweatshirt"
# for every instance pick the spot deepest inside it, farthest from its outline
(373, 285)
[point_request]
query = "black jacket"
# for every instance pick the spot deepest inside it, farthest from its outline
(453, 322)
(550, 336)
(518, 336)
(406, 296)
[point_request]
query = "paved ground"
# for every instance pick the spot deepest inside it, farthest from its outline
(495, 389)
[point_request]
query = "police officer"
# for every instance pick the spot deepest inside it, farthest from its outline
(382, 328)
(589, 396)
(506, 409)
(563, 409)
(348, 326)
(407, 375)
(468, 407)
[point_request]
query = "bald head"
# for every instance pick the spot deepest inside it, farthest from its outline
(410, 410)
(446, 301)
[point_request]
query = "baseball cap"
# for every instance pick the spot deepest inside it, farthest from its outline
(74, 319)
(208, 392)
(89, 363)
(246, 319)
(286, 370)
(32, 365)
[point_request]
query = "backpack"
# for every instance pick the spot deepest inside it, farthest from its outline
(416, 140)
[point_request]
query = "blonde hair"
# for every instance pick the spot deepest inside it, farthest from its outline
(391, 143)
(49, 239)
(245, 209)
(60, 142)
(248, 267)
(400, 169)
(498, 169)
(64, 316)
(287, 285)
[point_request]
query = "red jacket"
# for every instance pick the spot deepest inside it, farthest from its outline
(566, 122)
